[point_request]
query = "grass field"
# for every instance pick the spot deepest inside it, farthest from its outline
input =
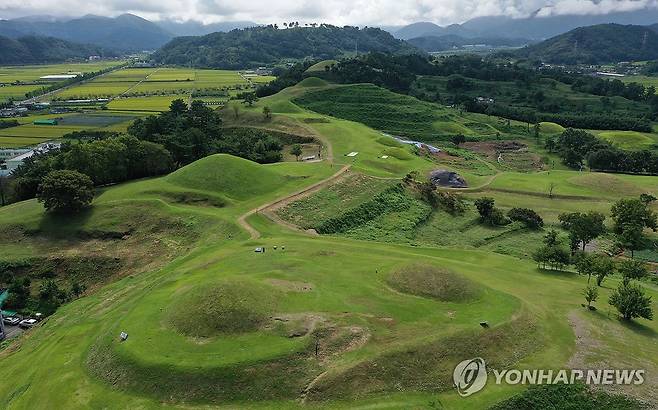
(374, 315)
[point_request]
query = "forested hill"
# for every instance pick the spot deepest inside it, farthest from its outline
(604, 43)
(264, 45)
(33, 49)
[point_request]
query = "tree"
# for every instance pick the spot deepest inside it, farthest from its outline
(267, 112)
(296, 150)
(633, 269)
(591, 293)
(583, 228)
(631, 302)
(236, 110)
(458, 139)
(599, 266)
(66, 191)
(177, 107)
(485, 207)
(249, 98)
(633, 211)
(526, 216)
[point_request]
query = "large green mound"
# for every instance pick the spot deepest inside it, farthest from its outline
(433, 282)
(235, 306)
(375, 107)
(232, 176)
(312, 82)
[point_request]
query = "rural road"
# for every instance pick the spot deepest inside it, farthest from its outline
(255, 234)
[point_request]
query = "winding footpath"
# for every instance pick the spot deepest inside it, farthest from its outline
(270, 206)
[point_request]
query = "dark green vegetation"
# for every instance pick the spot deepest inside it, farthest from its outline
(598, 44)
(65, 191)
(266, 45)
(568, 396)
(508, 90)
(576, 146)
(32, 49)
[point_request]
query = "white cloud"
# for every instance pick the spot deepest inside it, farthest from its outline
(355, 12)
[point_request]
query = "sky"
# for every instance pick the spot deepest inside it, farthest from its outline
(340, 12)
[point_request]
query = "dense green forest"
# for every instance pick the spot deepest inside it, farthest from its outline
(266, 45)
(604, 43)
(32, 50)
(509, 90)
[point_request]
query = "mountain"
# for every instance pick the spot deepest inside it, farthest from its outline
(450, 41)
(425, 29)
(266, 45)
(542, 24)
(654, 27)
(126, 32)
(31, 49)
(196, 28)
(603, 43)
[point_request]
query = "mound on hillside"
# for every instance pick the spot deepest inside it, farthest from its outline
(320, 67)
(433, 282)
(234, 177)
(229, 307)
(312, 82)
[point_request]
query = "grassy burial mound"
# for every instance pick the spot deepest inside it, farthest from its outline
(227, 307)
(399, 114)
(433, 282)
(234, 177)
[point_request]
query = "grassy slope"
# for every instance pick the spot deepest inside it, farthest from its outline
(346, 275)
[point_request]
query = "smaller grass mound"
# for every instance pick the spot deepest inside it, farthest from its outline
(236, 306)
(312, 82)
(551, 128)
(234, 177)
(389, 142)
(430, 281)
(320, 67)
(399, 153)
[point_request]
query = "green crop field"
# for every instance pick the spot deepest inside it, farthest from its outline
(642, 79)
(367, 295)
(153, 103)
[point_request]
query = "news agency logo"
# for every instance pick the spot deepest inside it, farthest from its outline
(470, 376)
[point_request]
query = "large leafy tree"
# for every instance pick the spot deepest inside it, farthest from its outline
(582, 227)
(631, 302)
(66, 191)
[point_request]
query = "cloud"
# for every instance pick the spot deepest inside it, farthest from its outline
(355, 12)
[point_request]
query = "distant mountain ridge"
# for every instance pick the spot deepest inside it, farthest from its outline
(535, 27)
(603, 43)
(450, 41)
(125, 32)
(265, 45)
(32, 49)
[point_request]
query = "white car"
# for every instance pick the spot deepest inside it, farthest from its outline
(11, 320)
(27, 323)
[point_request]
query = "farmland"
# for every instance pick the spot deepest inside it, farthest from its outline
(16, 81)
(365, 293)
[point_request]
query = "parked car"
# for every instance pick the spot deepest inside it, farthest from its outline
(11, 320)
(27, 323)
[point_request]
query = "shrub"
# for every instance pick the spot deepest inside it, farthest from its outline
(527, 216)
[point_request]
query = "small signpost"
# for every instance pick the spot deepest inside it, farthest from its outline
(123, 336)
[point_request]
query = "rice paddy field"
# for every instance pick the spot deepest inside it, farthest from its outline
(15, 81)
(138, 82)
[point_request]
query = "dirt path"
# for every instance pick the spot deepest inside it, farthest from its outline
(255, 234)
